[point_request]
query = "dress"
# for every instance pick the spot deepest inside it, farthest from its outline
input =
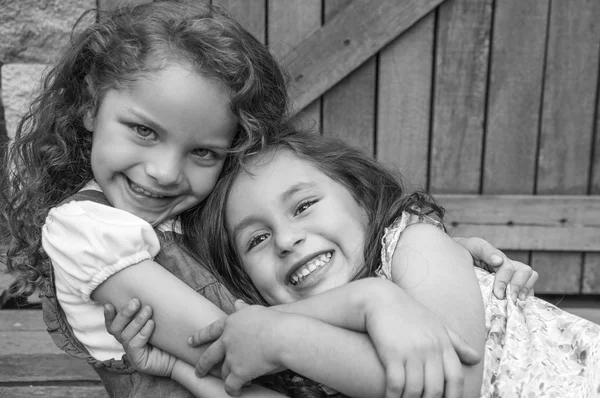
(68, 292)
(533, 349)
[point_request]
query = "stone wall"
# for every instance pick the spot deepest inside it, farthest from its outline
(32, 33)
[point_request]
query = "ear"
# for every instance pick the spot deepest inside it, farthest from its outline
(88, 120)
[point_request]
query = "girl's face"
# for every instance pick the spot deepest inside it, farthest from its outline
(158, 146)
(296, 231)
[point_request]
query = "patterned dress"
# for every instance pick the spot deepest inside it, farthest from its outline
(533, 349)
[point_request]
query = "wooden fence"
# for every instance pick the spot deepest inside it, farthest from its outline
(494, 100)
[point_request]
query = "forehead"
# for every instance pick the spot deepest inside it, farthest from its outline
(178, 99)
(278, 169)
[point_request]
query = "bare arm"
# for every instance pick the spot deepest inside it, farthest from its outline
(438, 273)
(179, 311)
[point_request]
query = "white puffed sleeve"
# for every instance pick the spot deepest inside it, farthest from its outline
(88, 242)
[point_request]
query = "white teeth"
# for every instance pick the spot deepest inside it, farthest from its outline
(138, 189)
(310, 267)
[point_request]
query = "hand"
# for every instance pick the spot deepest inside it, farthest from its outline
(521, 277)
(243, 342)
(134, 334)
(420, 355)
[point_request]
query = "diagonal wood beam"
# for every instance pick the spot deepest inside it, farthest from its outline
(342, 45)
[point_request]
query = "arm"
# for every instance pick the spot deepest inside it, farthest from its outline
(345, 352)
(178, 309)
(310, 346)
(520, 276)
(438, 273)
(148, 359)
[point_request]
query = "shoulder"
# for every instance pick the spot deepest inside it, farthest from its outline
(423, 252)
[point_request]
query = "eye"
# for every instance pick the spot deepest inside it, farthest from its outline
(257, 240)
(143, 131)
(303, 206)
(204, 153)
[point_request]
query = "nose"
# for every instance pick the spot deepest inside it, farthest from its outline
(165, 167)
(288, 239)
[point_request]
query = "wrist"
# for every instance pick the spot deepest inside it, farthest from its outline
(285, 338)
(178, 369)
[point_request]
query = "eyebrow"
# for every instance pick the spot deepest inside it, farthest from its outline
(145, 119)
(285, 196)
(217, 146)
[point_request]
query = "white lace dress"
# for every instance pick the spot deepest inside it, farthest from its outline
(533, 349)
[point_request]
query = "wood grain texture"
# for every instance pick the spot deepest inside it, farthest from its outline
(290, 23)
(251, 14)
(462, 54)
(50, 368)
(521, 222)
(570, 85)
(53, 391)
(352, 37)
(540, 210)
(514, 96)
(404, 102)
(349, 106)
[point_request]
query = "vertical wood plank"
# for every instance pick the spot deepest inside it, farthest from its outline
(349, 107)
(514, 99)
(570, 85)
(591, 261)
(290, 21)
(404, 102)
(251, 14)
(462, 53)
(514, 96)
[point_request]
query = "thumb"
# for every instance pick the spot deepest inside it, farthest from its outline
(467, 354)
(240, 304)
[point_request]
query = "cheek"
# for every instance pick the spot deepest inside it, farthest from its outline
(203, 182)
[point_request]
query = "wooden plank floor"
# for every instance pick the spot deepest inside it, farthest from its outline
(32, 366)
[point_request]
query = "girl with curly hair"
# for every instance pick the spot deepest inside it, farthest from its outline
(128, 136)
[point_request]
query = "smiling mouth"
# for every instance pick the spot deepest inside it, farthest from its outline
(309, 267)
(142, 191)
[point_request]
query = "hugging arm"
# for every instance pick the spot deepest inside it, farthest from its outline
(178, 311)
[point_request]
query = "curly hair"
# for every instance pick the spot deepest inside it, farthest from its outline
(378, 190)
(50, 157)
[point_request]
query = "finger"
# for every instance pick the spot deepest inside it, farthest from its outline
(482, 250)
(519, 281)
(109, 315)
(123, 317)
(240, 304)
(134, 327)
(208, 334)
(413, 387)
(142, 338)
(394, 382)
(214, 354)
(434, 378)
(528, 288)
(503, 277)
(467, 354)
(453, 374)
(233, 384)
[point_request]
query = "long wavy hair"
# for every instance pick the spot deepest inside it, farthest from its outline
(49, 159)
(377, 189)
